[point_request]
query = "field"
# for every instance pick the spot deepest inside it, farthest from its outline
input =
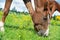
(20, 27)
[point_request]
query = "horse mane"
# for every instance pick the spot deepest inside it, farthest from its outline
(57, 6)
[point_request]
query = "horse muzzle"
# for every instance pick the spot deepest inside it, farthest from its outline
(43, 32)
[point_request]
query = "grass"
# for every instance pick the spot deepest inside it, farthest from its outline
(20, 27)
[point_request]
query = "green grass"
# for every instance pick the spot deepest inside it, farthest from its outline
(20, 27)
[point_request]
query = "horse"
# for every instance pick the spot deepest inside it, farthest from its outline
(53, 5)
(40, 16)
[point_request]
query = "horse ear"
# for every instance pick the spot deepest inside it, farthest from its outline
(29, 6)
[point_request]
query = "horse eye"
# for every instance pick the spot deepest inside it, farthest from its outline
(45, 18)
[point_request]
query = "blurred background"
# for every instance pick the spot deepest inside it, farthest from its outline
(19, 26)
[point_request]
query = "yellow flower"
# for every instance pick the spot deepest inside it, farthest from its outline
(58, 17)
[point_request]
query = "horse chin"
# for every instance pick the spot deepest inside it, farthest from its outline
(1, 26)
(43, 32)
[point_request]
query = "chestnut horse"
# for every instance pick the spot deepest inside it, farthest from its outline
(53, 5)
(39, 16)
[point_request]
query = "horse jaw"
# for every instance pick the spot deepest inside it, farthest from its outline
(1, 26)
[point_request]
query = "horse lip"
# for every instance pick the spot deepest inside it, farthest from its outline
(41, 32)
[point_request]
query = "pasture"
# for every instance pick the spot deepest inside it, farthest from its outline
(20, 27)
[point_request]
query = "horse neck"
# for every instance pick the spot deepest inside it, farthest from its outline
(57, 6)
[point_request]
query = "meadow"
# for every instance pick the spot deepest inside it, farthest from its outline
(20, 27)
